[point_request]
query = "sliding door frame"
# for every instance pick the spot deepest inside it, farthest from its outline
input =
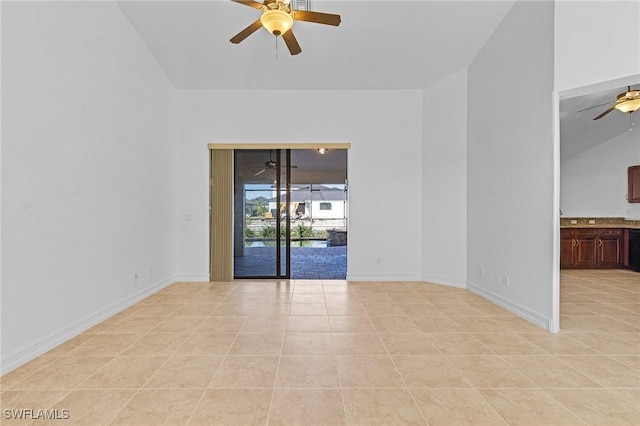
(220, 235)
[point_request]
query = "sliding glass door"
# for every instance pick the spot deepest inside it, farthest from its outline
(262, 213)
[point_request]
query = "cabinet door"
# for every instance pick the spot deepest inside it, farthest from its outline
(633, 196)
(567, 245)
(610, 252)
(586, 252)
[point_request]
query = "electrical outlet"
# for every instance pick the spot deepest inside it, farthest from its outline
(505, 280)
(574, 222)
(592, 222)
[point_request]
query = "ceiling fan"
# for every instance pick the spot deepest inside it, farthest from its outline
(277, 17)
(628, 101)
(270, 165)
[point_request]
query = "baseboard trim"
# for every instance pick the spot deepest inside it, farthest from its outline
(516, 308)
(378, 277)
(28, 352)
(449, 282)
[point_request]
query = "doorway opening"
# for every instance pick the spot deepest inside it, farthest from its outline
(290, 213)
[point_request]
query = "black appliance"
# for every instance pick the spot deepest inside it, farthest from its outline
(634, 249)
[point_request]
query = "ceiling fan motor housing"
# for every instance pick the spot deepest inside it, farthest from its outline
(277, 17)
(628, 101)
(276, 21)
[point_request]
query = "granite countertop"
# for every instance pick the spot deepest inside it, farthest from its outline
(598, 222)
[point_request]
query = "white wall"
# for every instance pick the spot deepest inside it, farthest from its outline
(385, 171)
(595, 41)
(594, 183)
(588, 60)
(510, 185)
(87, 172)
(444, 187)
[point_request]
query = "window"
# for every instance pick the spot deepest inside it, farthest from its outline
(325, 206)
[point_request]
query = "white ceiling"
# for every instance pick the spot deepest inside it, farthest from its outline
(579, 131)
(379, 44)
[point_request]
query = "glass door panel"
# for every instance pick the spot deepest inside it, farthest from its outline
(285, 213)
(261, 218)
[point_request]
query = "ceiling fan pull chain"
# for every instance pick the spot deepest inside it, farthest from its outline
(276, 48)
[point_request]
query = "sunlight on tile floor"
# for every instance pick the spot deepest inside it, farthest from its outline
(332, 352)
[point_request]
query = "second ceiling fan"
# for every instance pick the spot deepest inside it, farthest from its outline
(270, 165)
(277, 18)
(628, 102)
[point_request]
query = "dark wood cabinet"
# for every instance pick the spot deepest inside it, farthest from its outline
(591, 248)
(610, 248)
(567, 248)
(633, 196)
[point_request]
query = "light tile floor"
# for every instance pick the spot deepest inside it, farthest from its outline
(332, 353)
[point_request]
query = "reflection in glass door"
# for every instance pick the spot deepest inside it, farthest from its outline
(262, 217)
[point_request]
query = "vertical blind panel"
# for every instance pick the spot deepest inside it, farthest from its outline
(221, 215)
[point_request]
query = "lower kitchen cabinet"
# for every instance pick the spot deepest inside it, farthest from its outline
(591, 248)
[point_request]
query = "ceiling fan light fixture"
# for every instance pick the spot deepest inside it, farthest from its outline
(629, 105)
(276, 21)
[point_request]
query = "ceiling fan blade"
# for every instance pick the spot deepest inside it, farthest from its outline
(292, 43)
(250, 3)
(246, 32)
(595, 106)
(605, 113)
(317, 17)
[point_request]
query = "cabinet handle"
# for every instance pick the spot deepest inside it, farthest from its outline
(599, 242)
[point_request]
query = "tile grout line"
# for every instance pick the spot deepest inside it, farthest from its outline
(472, 386)
(404, 382)
(406, 387)
(154, 373)
(224, 357)
(335, 357)
(497, 352)
(117, 355)
(275, 380)
(112, 418)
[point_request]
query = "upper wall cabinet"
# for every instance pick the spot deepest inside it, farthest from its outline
(634, 184)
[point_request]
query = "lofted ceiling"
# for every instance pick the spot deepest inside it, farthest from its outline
(378, 45)
(579, 131)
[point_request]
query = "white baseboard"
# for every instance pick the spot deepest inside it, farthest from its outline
(516, 308)
(28, 352)
(378, 277)
(447, 281)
